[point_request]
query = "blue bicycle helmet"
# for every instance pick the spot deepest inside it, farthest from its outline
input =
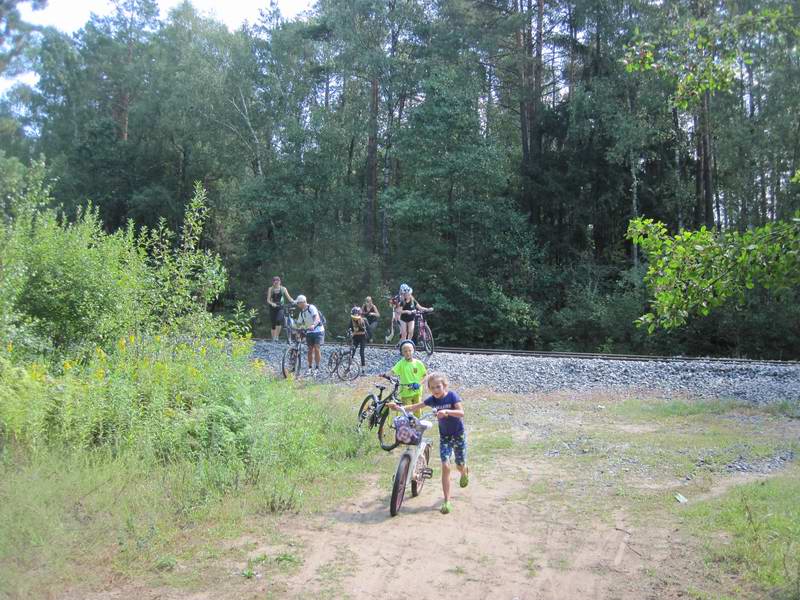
(403, 343)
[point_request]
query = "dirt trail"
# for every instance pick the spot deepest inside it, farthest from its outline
(493, 545)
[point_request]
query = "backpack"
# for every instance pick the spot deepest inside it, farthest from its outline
(322, 320)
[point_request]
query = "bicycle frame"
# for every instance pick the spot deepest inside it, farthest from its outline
(297, 340)
(418, 470)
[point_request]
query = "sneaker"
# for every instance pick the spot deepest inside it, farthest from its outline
(464, 481)
(446, 507)
(309, 373)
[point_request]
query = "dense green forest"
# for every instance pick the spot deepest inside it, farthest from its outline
(489, 153)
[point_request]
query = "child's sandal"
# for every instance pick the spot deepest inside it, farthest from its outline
(464, 481)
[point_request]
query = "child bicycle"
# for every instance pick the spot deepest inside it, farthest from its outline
(412, 468)
(374, 412)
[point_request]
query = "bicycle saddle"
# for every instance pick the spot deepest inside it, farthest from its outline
(380, 387)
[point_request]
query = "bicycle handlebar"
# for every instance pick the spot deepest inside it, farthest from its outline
(396, 381)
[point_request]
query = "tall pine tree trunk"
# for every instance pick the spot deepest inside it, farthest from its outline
(372, 169)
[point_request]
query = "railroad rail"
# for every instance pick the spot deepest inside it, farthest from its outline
(592, 355)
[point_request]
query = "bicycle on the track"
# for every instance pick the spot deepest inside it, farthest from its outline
(412, 468)
(292, 361)
(423, 337)
(373, 412)
(342, 362)
(289, 311)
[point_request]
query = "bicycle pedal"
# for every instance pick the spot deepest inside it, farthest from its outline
(427, 473)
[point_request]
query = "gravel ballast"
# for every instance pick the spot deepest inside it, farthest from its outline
(755, 383)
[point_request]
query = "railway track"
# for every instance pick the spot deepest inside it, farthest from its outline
(592, 355)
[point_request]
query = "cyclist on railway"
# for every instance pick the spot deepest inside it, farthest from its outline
(359, 328)
(370, 312)
(309, 319)
(277, 296)
(408, 308)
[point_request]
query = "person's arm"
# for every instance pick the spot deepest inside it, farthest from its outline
(409, 408)
(458, 411)
(269, 298)
(374, 311)
(419, 306)
(287, 297)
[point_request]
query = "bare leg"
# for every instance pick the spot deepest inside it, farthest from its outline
(317, 356)
(276, 333)
(446, 480)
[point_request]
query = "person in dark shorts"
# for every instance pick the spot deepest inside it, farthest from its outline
(408, 306)
(452, 435)
(370, 312)
(310, 320)
(277, 296)
(359, 327)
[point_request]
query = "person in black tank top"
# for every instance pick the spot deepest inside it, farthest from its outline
(408, 307)
(276, 295)
(371, 314)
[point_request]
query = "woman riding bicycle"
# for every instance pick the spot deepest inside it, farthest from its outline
(276, 296)
(408, 308)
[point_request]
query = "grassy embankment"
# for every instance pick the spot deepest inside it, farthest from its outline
(142, 461)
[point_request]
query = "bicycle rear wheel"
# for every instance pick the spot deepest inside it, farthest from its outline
(333, 361)
(386, 432)
(427, 339)
(365, 411)
(422, 463)
(399, 486)
(290, 363)
(348, 368)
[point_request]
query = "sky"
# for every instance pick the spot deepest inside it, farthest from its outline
(71, 15)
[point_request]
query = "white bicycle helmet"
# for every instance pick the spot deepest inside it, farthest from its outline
(405, 289)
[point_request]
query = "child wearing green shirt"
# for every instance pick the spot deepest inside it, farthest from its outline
(411, 372)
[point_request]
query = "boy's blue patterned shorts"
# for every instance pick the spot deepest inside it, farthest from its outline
(453, 443)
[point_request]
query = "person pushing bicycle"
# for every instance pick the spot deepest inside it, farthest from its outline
(411, 372)
(452, 435)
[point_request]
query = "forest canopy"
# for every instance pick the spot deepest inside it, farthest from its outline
(491, 154)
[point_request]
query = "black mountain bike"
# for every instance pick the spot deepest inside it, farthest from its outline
(373, 412)
(341, 361)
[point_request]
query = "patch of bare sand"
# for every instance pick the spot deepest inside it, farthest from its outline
(497, 543)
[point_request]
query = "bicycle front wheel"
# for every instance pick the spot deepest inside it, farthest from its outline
(386, 432)
(365, 411)
(427, 339)
(290, 363)
(419, 478)
(399, 486)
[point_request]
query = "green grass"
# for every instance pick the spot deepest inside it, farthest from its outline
(665, 409)
(762, 523)
(74, 508)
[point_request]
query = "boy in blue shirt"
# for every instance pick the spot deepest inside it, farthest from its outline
(452, 435)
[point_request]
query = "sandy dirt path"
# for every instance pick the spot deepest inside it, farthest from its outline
(495, 544)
